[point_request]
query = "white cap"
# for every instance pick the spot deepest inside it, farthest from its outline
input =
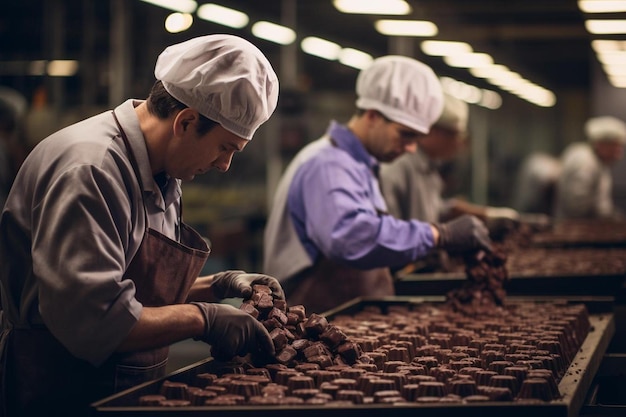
(455, 115)
(223, 77)
(605, 128)
(403, 90)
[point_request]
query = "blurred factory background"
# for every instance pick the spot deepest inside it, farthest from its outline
(548, 72)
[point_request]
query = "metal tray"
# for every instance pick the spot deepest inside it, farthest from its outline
(439, 283)
(573, 386)
(607, 396)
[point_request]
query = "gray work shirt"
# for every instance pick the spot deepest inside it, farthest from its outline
(70, 228)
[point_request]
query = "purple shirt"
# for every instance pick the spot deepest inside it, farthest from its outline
(338, 210)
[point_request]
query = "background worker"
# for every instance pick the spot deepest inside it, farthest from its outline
(329, 237)
(99, 274)
(585, 185)
(412, 184)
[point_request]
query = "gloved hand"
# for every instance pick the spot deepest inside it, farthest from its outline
(231, 332)
(464, 233)
(229, 284)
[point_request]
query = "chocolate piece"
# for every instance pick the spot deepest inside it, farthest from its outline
(154, 399)
(315, 325)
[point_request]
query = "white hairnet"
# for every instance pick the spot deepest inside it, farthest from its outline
(224, 78)
(455, 115)
(403, 89)
(605, 128)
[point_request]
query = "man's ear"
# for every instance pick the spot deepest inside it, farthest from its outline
(185, 119)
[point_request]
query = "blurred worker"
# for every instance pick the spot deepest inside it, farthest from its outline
(329, 237)
(412, 184)
(99, 273)
(584, 188)
(536, 184)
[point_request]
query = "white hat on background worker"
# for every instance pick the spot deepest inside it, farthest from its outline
(455, 116)
(605, 128)
(403, 89)
(225, 78)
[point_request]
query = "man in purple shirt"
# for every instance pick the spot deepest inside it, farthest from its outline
(328, 237)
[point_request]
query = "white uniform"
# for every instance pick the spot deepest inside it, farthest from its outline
(584, 186)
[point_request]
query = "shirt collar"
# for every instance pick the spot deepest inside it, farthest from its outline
(347, 141)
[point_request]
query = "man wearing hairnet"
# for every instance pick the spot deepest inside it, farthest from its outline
(412, 185)
(99, 272)
(329, 237)
(584, 187)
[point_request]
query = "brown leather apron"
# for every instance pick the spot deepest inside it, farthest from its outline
(328, 284)
(41, 376)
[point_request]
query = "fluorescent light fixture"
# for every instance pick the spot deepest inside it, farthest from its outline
(603, 27)
(420, 28)
(178, 22)
(62, 68)
(490, 71)
(321, 48)
(618, 81)
(355, 58)
(469, 60)
(444, 48)
(490, 99)
(602, 6)
(388, 7)
(615, 70)
(605, 45)
(612, 58)
(181, 6)
(273, 32)
(223, 15)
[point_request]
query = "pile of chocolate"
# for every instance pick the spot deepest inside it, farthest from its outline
(484, 287)
(298, 338)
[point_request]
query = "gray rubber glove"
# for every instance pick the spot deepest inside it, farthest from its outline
(231, 332)
(464, 233)
(230, 284)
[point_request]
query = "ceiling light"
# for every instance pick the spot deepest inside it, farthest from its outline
(612, 58)
(490, 71)
(604, 45)
(406, 27)
(602, 6)
(469, 60)
(443, 48)
(181, 6)
(273, 32)
(618, 81)
(62, 68)
(320, 47)
(490, 99)
(388, 7)
(615, 70)
(178, 22)
(601, 27)
(223, 15)
(355, 58)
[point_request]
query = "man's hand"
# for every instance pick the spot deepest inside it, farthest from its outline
(464, 233)
(231, 332)
(230, 284)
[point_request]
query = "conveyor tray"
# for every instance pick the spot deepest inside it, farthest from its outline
(439, 283)
(573, 386)
(607, 396)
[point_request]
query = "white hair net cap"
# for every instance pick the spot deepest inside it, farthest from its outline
(605, 128)
(403, 89)
(223, 77)
(455, 115)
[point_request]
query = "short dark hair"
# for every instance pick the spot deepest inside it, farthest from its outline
(162, 105)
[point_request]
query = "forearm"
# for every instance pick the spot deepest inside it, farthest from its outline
(162, 326)
(201, 290)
